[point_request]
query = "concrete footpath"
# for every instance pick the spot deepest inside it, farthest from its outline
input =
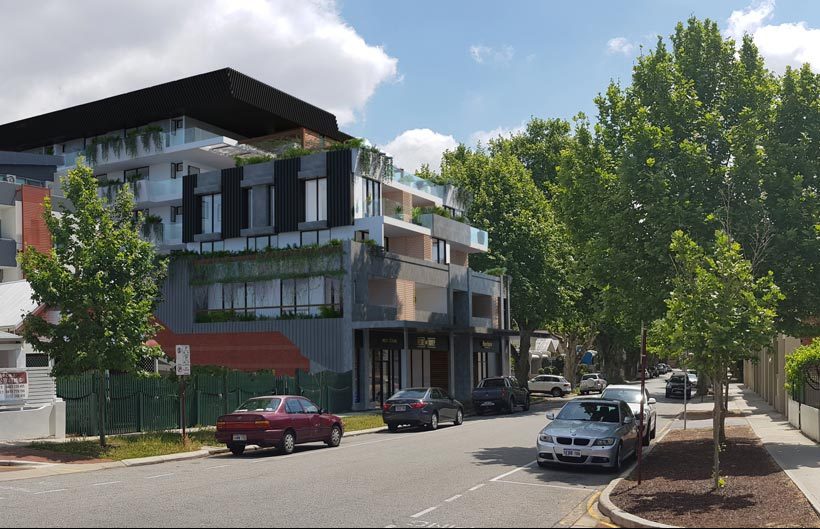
(796, 454)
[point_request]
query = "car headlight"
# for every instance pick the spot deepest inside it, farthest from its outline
(546, 438)
(609, 441)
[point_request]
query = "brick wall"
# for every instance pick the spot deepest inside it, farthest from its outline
(497, 313)
(459, 258)
(312, 140)
(35, 231)
(406, 291)
(407, 205)
(418, 246)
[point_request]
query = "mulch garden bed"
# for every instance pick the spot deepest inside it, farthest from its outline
(706, 415)
(677, 486)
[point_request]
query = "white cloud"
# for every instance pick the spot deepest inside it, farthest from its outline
(415, 147)
(620, 45)
(72, 55)
(484, 136)
(481, 54)
(787, 44)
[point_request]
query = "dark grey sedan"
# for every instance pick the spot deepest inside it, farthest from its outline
(426, 407)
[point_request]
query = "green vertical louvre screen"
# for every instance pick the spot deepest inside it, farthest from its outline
(137, 404)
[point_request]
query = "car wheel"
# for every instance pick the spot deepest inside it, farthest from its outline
(688, 395)
(585, 393)
(617, 465)
(527, 404)
(237, 450)
(288, 444)
(557, 392)
(647, 438)
(335, 437)
(511, 405)
(654, 433)
(459, 417)
(392, 428)
(668, 396)
(543, 464)
(434, 422)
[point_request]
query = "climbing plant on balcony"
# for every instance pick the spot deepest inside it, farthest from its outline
(803, 368)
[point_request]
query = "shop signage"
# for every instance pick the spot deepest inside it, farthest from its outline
(436, 343)
(485, 345)
(386, 341)
(13, 387)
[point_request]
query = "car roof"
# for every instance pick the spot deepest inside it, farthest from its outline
(597, 401)
(623, 386)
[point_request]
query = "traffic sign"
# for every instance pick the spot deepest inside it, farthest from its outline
(183, 360)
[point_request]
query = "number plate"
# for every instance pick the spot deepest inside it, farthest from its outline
(572, 453)
(488, 403)
(240, 437)
(400, 408)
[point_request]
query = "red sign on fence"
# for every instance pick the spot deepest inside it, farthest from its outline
(13, 387)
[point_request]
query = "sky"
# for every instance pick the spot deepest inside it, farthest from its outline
(414, 78)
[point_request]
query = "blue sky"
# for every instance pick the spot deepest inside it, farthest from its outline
(546, 58)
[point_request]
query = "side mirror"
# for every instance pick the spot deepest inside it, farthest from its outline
(629, 420)
(653, 402)
(322, 411)
(550, 416)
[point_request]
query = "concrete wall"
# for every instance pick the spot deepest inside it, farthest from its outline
(38, 423)
(794, 413)
(810, 422)
(766, 376)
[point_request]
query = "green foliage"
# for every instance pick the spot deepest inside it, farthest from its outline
(352, 143)
(295, 152)
(799, 363)
(242, 161)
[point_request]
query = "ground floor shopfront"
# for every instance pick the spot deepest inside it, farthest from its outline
(389, 360)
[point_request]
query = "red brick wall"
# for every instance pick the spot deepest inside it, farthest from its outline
(247, 351)
(459, 258)
(406, 291)
(35, 231)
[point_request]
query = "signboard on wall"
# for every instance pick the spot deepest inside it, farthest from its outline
(13, 387)
(486, 345)
(433, 343)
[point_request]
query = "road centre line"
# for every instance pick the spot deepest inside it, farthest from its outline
(511, 472)
(426, 511)
(49, 491)
(476, 487)
(105, 483)
(218, 466)
(161, 476)
(454, 498)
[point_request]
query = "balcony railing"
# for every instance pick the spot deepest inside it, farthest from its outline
(454, 231)
(164, 234)
(420, 184)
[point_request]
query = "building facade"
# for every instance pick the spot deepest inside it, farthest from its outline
(289, 249)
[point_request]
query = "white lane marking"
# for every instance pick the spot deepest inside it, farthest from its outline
(106, 483)
(544, 485)
(511, 472)
(218, 466)
(454, 498)
(160, 476)
(426, 511)
(476, 487)
(49, 491)
(390, 526)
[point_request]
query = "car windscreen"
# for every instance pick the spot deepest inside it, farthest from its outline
(627, 395)
(260, 405)
(410, 394)
(590, 412)
(493, 383)
(677, 379)
(589, 377)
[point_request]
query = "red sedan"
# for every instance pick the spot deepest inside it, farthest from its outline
(281, 421)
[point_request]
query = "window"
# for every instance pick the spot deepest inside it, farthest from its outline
(260, 405)
(271, 206)
(439, 251)
(135, 175)
(211, 213)
(261, 243)
(274, 298)
(193, 170)
(176, 170)
(367, 198)
(247, 207)
(292, 406)
(310, 238)
(316, 200)
(208, 247)
(308, 406)
(361, 236)
(176, 214)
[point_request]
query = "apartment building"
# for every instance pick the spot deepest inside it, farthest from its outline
(25, 180)
(290, 249)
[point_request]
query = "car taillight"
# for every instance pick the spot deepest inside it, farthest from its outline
(220, 425)
(262, 424)
(417, 405)
(504, 393)
(386, 407)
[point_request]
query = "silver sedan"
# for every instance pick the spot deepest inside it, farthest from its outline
(590, 432)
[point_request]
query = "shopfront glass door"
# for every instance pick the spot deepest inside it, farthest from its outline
(385, 375)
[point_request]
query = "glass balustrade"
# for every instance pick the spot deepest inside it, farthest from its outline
(420, 184)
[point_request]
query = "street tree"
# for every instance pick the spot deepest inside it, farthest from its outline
(717, 314)
(526, 244)
(101, 277)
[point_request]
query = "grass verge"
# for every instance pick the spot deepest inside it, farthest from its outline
(367, 421)
(132, 446)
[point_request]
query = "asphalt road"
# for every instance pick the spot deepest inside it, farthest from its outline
(481, 474)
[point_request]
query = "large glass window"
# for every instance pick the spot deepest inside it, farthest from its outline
(135, 175)
(439, 251)
(316, 200)
(211, 213)
(271, 206)
(367, 198)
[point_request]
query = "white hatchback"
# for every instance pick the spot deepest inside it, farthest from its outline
(555, 385)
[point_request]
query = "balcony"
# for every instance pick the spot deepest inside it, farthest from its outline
(8, 253)
(381, 313)
(455, 232)
(163, 234)
(157, 190)
(419, 184)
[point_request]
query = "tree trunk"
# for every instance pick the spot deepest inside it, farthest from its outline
(571, 361)
(101, 408)
(716, 427)
(522, 360)
(725, 411)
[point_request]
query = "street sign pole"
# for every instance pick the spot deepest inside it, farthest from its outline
(183, 370)
(643, 393)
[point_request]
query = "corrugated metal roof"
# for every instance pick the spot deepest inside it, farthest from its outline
(15, 303)
(224, 98)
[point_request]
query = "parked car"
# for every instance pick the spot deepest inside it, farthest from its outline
(589, 432)
(503, 393)
(653, 372)
(278, 421)
(632, 396)
(693, 376)
(678, 385)
(555, 385)
(592, 382)
(427, 407)
(663, 368)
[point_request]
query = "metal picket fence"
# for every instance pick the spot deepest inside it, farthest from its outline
(142, 404)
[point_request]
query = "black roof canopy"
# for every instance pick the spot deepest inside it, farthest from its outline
(224, 98)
